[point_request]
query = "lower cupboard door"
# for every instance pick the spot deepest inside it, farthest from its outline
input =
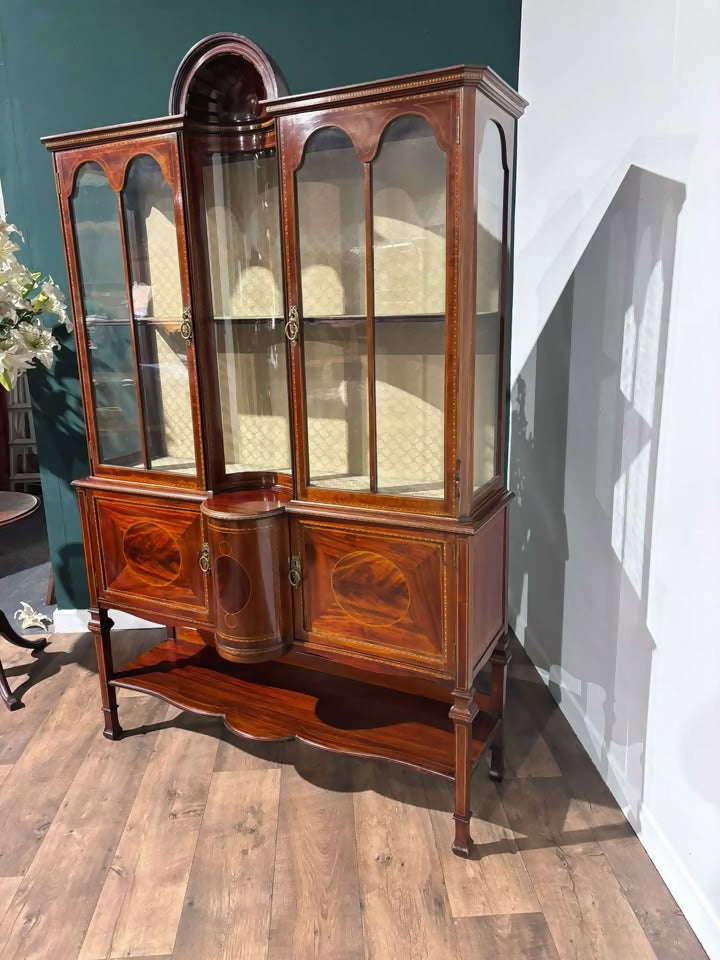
(150, 554)
(377, 596)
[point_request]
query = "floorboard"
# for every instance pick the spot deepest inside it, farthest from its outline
(316, 898)
(495, 880)
(31, 797)
(516, 936)
(181, 841)
(142, 898)
(53, 904)
(226, 909)
(406, 912)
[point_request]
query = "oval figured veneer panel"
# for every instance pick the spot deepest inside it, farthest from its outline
(233, 584)
(371, 588)
(151, 552)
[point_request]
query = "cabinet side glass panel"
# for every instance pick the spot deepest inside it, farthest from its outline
(151, 238)
(98, 243)
(331, 237)
(409, 237)
(242, 218)
(490, 199)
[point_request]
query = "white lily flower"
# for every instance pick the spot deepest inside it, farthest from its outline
(7, 229)
(37, 341)
(12, 364)
(29, 617)
(7, 307)
(24, 298)
(56, 302)
(8, 246)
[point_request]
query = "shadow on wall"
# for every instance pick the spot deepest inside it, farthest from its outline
(585, 428)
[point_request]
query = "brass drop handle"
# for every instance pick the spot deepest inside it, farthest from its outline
(204, 558)
(186, 327)
(292, 325)
(295, 575)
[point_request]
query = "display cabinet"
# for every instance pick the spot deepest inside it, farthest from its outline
(292, 323)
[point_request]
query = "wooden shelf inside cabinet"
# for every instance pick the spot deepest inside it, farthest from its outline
(383, 318)
(282, 701)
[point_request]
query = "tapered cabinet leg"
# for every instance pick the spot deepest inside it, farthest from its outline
(499, 660)
(462, 713)
(100, 626)
(497, 755)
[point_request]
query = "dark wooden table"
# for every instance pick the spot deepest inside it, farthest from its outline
(14, 506)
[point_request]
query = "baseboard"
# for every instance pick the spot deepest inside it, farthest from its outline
(702, 916)
(700, 913)
(76, 621)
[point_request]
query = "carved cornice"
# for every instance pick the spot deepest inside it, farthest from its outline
(120, 131)
(484, 78)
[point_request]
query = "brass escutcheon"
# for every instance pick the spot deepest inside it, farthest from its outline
(186, 327)
(292, 326)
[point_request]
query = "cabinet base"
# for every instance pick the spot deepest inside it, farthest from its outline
(283, 701)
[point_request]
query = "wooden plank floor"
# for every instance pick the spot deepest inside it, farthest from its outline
(183, 842)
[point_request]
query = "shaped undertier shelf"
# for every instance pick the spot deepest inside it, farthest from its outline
(280, 700)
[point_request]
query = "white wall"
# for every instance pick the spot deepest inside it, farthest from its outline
(615, 557)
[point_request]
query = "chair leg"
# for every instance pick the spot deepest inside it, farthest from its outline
(16, 639)
(9, 698)
(100, 626)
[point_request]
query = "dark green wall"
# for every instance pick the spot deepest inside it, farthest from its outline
(74, 64)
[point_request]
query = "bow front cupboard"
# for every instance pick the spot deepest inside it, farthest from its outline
(292, 334)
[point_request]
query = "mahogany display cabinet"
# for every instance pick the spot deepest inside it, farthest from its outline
(292, 333)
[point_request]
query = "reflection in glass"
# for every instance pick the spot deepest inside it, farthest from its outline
(331, 226)
(409, 225)
(151, 236)
(242, 219)
(490, 201)
(109, 337)
(337, 404)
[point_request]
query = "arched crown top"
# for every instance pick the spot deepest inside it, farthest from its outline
(223, 80)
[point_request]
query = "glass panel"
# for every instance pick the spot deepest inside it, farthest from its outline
(242, 218)
(331, 233)
(331, 219)
(490, 199)
(337, 404)
(109, 337)
(151, 237)
(410, 403)
(409, 212)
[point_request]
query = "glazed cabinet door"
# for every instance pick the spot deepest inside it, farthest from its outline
(374, 596)
(124, 232)
(239, 290)
(370, 231)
